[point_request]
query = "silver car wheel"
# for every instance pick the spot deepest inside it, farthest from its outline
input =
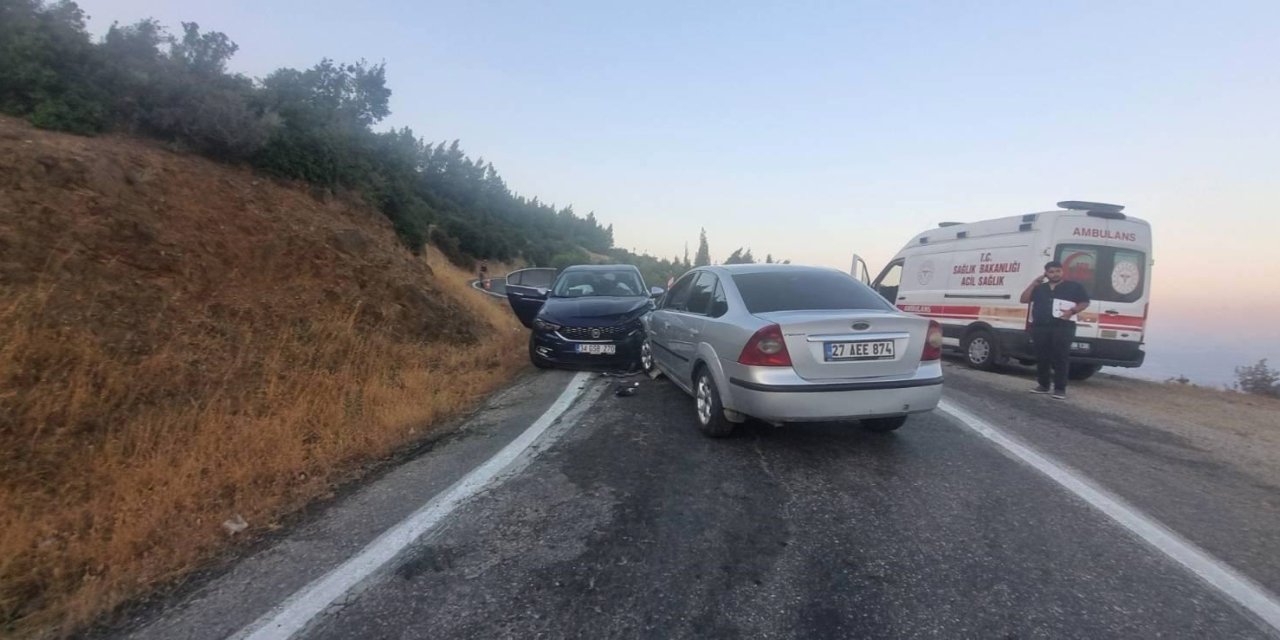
(646, 356)
(979, 350)
(704, 400)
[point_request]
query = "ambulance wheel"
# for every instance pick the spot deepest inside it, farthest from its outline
(981, 351)
(1082, 371)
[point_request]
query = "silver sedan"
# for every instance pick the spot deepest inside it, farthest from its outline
(785, 343)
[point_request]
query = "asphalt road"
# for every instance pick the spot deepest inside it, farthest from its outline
(629, 524)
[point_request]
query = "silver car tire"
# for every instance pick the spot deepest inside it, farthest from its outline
(710, 412)
(646, 357)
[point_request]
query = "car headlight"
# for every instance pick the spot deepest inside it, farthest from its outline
(543, 325)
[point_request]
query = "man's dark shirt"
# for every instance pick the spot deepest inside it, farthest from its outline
(1042, 301)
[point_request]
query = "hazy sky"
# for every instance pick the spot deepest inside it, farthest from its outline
(813, 130)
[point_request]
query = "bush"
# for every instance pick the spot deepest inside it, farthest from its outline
(1258, 379)
(448, 245)
(570, 258)
(215, 121)
(69, 113)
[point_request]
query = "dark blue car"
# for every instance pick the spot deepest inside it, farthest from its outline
(588, 317)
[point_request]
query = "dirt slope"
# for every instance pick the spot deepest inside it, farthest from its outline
(184, 344)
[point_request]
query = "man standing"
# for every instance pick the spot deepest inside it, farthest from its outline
(1054, 305)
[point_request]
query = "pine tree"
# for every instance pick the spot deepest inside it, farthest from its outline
(740, 256)
(703, 258)
(768, 258)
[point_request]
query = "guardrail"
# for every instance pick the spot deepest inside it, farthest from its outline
(478, 286)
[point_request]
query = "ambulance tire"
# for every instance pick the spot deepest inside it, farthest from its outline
(981, 351)
(1082, 371)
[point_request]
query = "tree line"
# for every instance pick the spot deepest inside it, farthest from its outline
(314, 125)
(310, 124)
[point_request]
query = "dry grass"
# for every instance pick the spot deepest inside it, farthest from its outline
(119, 472)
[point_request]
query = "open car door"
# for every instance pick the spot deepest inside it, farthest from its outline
(527, 290)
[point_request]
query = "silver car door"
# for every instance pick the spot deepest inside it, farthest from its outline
(686, 325)
(661, 335)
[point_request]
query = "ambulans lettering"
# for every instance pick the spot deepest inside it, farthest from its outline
(1105, 234)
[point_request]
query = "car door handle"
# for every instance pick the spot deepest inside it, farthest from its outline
(1111, 312)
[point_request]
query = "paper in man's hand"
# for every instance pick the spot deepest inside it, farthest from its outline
(1062, 308)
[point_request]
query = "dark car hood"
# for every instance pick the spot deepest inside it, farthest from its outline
(593, 311)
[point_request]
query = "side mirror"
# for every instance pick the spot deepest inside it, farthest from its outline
(540, 293)
(656, 292)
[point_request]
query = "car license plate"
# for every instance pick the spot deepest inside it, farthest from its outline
(865, 350)
(598, 349)
(1079, 346)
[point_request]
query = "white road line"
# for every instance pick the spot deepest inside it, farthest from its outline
(298, 610)
(1246, 593)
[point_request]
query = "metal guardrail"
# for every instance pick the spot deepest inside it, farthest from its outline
(478, 286)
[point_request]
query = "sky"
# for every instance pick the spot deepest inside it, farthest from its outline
(813, 130)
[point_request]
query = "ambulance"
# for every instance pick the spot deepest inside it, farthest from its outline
(969, 277)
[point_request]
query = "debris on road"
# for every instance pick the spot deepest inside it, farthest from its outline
(235, 524)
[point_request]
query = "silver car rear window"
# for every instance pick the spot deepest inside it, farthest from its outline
(805, 290)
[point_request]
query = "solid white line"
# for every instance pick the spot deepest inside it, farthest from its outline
(1234, 585)
(298, 610)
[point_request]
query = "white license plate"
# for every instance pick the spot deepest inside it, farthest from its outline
(597, 349)
(864, 350)
(1079, 346)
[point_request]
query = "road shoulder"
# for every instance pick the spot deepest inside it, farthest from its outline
(228, 601)
(1178, 471)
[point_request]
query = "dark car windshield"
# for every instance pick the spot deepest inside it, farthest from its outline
(805, 290)
(598, 282)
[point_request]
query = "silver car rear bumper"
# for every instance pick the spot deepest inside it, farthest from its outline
(781, 396)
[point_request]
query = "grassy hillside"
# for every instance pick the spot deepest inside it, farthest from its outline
(184, 343)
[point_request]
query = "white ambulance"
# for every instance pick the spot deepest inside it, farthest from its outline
(969, 276)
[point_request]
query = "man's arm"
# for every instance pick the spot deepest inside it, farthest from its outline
(1026, 293)
(1082, 303)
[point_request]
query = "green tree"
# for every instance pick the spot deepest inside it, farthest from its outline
(739, 256)
(204, 54)
(703, 257)
(48, 67)
(1258, 379)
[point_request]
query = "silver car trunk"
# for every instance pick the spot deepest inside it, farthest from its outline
(807, 334)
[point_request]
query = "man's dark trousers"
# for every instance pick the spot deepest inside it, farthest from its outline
(1052, 343)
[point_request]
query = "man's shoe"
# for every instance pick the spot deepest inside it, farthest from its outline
(1039, 390)
(1059, 395)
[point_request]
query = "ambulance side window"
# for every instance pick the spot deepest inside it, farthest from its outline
(888, 282)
